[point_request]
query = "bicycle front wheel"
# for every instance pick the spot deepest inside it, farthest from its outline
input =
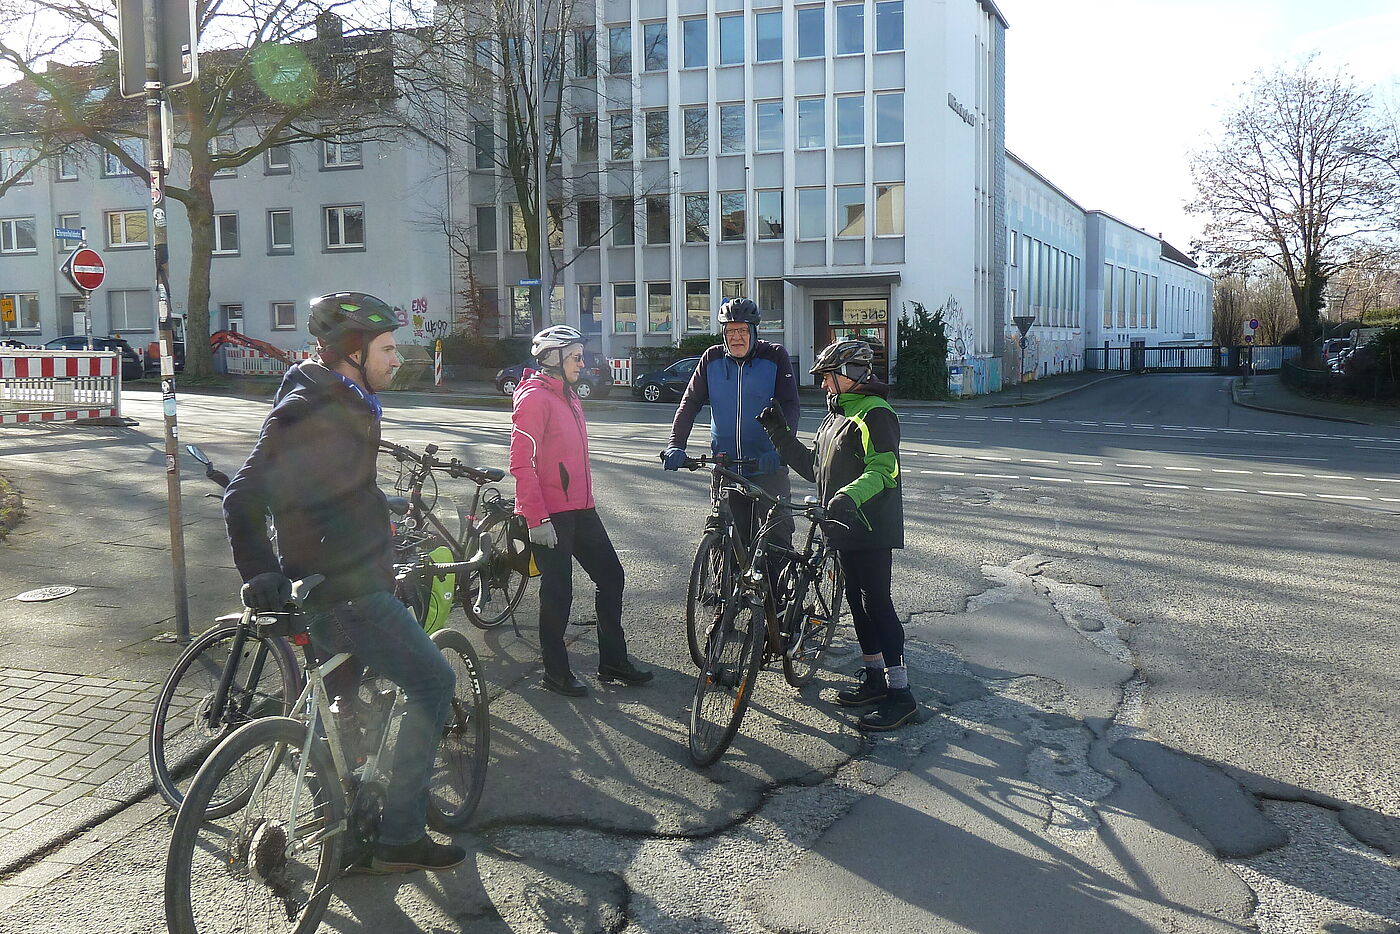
(704, 600)
(725, 683)
(459, 771)
(266, 867)
(503, 578)
(810, 621)
(189, 721)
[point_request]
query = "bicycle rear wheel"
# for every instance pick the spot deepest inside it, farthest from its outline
(262, 868)
(185, 728)
(704, 599)
(811, 618)
(725, 683)
(504, 576)
(459, 771)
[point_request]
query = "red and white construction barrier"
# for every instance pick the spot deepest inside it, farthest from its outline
(56, 385)
(621, 371)
(244, 361)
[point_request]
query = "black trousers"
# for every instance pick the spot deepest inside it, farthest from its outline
(582, 537)
(748, 513)
(868, 592)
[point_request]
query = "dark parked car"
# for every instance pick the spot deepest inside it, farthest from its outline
(667, 384)
(132, 367)
(595, 380)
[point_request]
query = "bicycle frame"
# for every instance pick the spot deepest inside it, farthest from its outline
(214, 716)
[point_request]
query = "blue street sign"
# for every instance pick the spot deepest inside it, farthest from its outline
(529, 282)
(67, 233)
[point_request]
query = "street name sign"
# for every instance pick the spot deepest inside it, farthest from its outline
(67, 233)
(526, 283)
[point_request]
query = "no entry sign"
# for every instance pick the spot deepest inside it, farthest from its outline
(85, 269)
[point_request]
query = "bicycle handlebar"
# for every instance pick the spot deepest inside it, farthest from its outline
(455, 468)
(721, 465)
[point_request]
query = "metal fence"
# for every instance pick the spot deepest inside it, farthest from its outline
(1267, 359)
(57, 385)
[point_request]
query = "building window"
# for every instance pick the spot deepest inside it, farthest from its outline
(654, 47)
(811, 213)
(658, 307)
(590, 308)
(484, 140)
(731, 128)
(587, 129)
(850, 28)
(768, 126)
(26, 305)
(589, 223)
(731, 39)
(130, 310)
(519, 236)
(232, 316)
(72, 222)
(1154, 301)
(768, 219)
(221, 146)
(811, 123)
(768, 37)
(585, 53)
(126, 228)
(697, 218)
(279, 231)
(14, 166)
(695, 40)
(850, 211)
(112, 166)
(658, 219)
(730, 288)
(336, 154)
(731, 215)
(284, 316)
(658, 125)
(624, 221)
(811, 32)
(17, 235)
(889, 117)
(1120, 295)
(345, 227)
(486, 241)
(522, 316)
(697, 305)
(1107, 295)
(697, 130)
(625, 308)
(620, 50)
(889, 25)
(68, 165)
(889, 209)
(277, 160)
(1011, 242)
(770, 301)
(850, 120)
(622, 136)
(226, 234)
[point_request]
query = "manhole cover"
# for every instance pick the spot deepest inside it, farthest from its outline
(46, 593)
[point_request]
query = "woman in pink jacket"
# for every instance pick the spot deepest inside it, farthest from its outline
(554, 492)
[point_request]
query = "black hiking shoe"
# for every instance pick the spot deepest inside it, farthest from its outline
(870, 691)
(898, 709)
(423, 853)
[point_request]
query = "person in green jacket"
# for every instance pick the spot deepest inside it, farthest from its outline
(855, 464)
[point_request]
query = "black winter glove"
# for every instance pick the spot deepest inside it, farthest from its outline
(841, 508)
(773, 422)
(267, 591)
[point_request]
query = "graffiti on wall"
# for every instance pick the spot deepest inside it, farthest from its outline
(958, 326)
(424, 328)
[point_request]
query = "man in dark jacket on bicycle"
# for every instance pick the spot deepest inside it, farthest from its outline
(855, 464)
(314, 470)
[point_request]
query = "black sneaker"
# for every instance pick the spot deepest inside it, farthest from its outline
(870, 691)
(898, 709)
(423, 853)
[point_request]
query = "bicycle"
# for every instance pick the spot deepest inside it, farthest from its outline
(791, 619)
(714, 563)
(489, 527)
(298, 790)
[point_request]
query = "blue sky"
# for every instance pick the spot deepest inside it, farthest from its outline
(1108, 98)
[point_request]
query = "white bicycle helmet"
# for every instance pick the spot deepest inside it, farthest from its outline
(556, 337)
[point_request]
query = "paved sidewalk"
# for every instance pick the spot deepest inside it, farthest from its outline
(1270, 394)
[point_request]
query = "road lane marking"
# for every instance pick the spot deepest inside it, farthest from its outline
(1087, 463)
(1191, 469)
(990, 457)
(1109, 482)
(1279, 493)
(1279, 473)
(1136, 466)
(1382, 479)
(947, 473)
(1053, 479)
(1038, 460)
(998, 476)
(1388, 500)
(1335, 496)
(1166, 486)
(1223, 489)
(1331, 476)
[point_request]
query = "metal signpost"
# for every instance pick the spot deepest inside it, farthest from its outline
(158, 50)
(1023, 324)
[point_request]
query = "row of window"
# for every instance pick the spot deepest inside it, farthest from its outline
(1184, 308)
(811, 36)
(1129, 295)
(343, 228)
(657, 314)
(810, 129)
(277, 160)
(1046, 279)
(132, 311)
(652, 215)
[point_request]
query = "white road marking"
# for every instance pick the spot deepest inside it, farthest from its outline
(1334, 496)
(1087, 463)
(1109, 482)
(1053, 479)
(990, 457)
(998, 476)
(1190, 469)
(947, 473)
(1038, 460)
(1331, 476)
(1223, 489)
(1279, 473)
(1382, 479)
(1165, 486)
(1136, 466)
(1388, 500)
(1279, 493)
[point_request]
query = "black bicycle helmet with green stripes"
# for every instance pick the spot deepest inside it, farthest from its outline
(339, 314)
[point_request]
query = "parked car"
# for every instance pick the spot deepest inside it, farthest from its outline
(595, 380)
(132, 367)
(665, 385)
(9, 343)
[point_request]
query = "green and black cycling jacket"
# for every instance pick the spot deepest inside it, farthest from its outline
(857, 453)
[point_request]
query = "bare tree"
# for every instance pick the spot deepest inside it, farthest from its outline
(284, 72)
(1288, 182)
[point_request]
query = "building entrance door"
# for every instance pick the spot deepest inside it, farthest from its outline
(867, 318)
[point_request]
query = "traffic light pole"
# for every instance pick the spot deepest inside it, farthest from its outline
(160, 244)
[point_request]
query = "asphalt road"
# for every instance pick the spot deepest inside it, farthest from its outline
(1154, 634)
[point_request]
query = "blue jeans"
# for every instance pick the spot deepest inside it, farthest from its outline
(382, 633)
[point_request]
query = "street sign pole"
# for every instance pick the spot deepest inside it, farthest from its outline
(155, 157)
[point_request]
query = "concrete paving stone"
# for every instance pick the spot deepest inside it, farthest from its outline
(82, 706)
(25, 702)
(26, 726)
(47, 739)
(66, 719)
(84, 687)
(38, 779)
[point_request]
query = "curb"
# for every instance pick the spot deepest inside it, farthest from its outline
(1064, 392)
(1235, 398)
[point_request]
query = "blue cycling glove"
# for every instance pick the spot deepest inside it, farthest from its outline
(673, 458)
